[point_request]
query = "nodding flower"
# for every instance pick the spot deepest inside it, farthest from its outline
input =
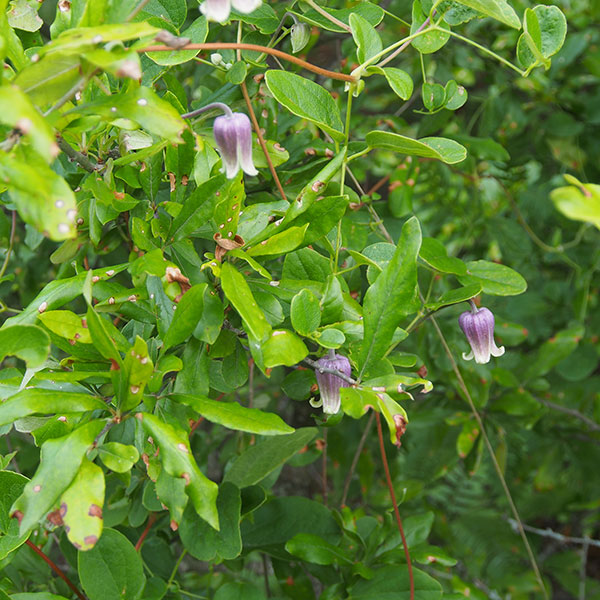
(233, 134)
(330, 384)
(218, 10)
(478, 326)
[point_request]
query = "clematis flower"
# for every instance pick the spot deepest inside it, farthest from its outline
(478, 326)
(330, 384)
(233, 134)
(218, 10)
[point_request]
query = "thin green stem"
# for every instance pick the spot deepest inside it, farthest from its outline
(328, 16)
(389, 14)
(423, 70)
(490, 448)
(176, 567)
(11, 240)
(483, 49)
(358, 154)
(403, 43)
(338, 241)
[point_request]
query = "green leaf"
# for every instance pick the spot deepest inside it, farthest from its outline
(400, 81)
(203, 542)
(17, 111)
(100, 332)
(495, 279)
(443, 149)
(28, 342)
(43, 198)
(544, 32)
(314, 549)
(280, 243)
(50, 78)
(66, 324)
(81, 506)
(186, 317)
(578, 201)
(455, 296)
(79, 39)
(23, 14)
(392, 582)
(59, 463)
(434, 253)
(392, 297)
(553, 351)
(178, 460)
(428, 42)
(280, 519)
(58, 292)
(283, 348)
(367, 40)
(497, 9)
(238, 293)
(171, 11)
(136, 372)
(305, 312)
(118, 457)
(143, 106)
(372, 13)
(239, 590)
(112, 570)
(455, 95)
(196, 33)
(258, 461)
(235, 416)
(433, 95)
(38, 401)
(12, 485)
(306, 99)
(198, 209)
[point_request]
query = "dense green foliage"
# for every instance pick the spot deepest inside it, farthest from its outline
(162, 429)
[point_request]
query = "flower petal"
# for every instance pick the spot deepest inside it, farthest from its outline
(246, 6)
(216, 10)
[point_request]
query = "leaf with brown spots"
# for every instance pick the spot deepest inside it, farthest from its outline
(61, 459)
(178, 461)
(81, 505)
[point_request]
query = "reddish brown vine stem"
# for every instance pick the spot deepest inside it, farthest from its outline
(261, 139)
(395, 504)
(256, 48)
(151, 519)
(56, 569)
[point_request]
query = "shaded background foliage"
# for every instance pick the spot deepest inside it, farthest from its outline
(539, 402)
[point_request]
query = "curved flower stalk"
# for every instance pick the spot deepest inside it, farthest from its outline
(218, 10)
(330, 384)
(478, 326)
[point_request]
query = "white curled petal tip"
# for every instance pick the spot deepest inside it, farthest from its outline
(495, 351)
(246, 6)
(216, 10)
(467, 356)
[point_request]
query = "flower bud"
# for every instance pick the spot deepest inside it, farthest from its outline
(478, 326)
(233, 134)
(299, 35)
(330, 384)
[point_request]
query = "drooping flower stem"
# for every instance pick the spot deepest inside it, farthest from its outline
(257, 48)
(473, 306)
(390, 485)
(490, 449)
(211, 106)
(261, 139)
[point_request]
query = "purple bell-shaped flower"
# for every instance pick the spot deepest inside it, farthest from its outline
(233, 134)
(478, 326)
(218, 10)
(330, 384)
